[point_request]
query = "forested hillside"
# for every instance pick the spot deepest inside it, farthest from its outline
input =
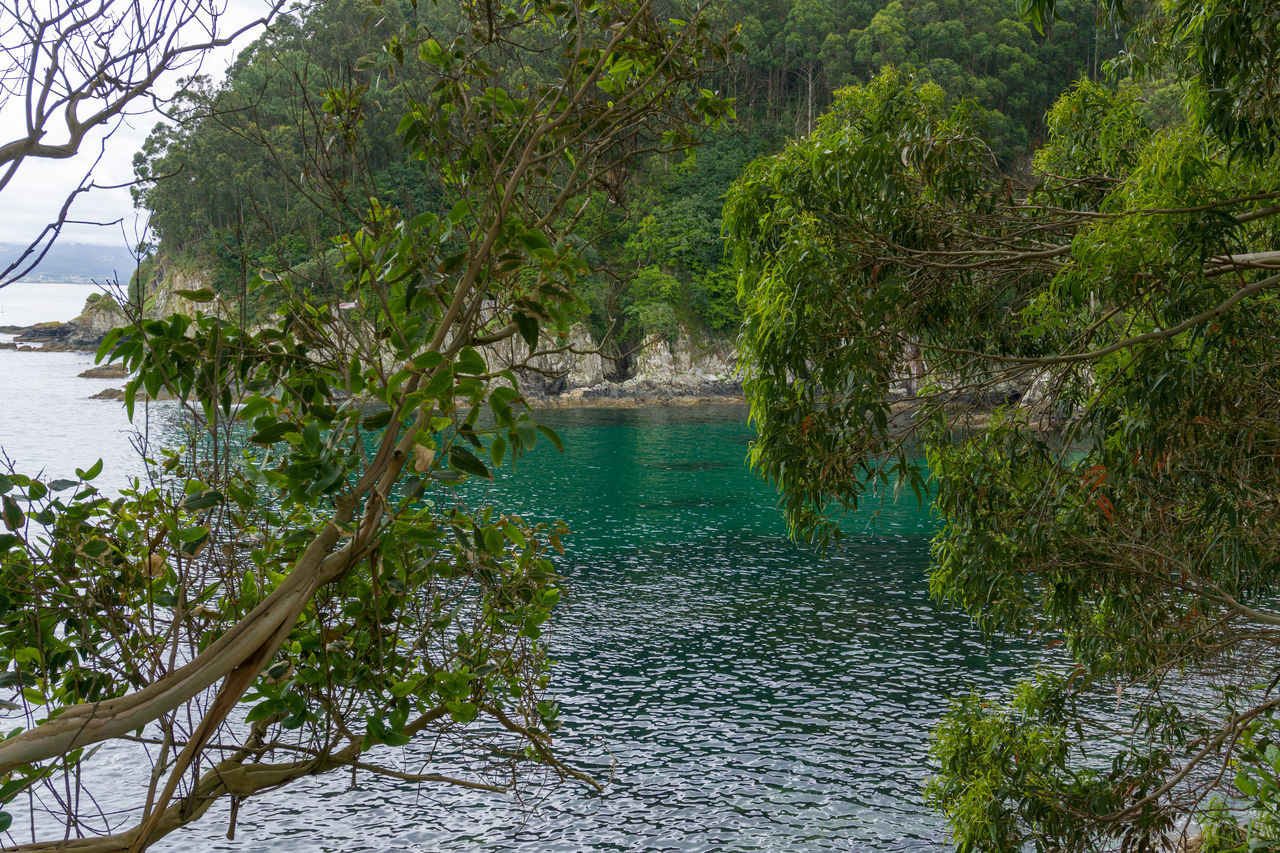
(252, 176)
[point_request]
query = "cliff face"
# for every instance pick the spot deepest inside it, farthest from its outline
(162, 297)
(576, 373)
(690, 360)
(556, 365)
(691, 367)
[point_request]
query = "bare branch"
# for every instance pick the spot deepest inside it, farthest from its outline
(77, 67)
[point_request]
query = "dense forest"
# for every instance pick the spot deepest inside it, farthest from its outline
(963, 263)
(243, 179)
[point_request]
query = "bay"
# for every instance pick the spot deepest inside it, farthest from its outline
(738, 692)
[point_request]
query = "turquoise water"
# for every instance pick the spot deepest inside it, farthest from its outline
(742, 693)
(752, 695)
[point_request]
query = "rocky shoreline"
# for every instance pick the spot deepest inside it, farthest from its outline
(568, 373)
(670, 373)
(100, 315)
(635, 393)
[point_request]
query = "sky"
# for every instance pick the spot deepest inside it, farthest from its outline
(37, 192)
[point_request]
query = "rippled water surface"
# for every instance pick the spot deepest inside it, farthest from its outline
(753, 696)
(747, 694)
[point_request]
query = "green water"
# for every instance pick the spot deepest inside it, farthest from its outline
(752, 695)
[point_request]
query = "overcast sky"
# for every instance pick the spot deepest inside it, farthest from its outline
(36, 193)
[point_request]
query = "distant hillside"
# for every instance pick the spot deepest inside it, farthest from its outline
(77, 262)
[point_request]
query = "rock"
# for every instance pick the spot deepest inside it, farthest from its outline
(100, 315)
(163, 298)
(568, 369)
(118, 394)
(106, 371)
(556, 366)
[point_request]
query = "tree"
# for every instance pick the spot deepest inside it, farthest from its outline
(245, 155)
(77, 68)
(804, 34)
(333, 583)
(980, 49)
(1226, 51)
(1097, 415)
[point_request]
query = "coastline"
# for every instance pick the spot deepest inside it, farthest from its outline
(658, 383)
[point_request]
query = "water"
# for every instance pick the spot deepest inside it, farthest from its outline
(47, 420)
(752, 695)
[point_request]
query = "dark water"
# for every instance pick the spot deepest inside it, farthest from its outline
(753, 696)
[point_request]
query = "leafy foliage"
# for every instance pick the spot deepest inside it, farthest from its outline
(1087, 362)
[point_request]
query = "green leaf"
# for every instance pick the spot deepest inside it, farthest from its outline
(534, 240)
(439, 385)
(63, 485)
(459, 212)
(467, 462)
(377, 420)
(470, 362)
(453, 263)
(94, 470)
(552, 436)
(391, 738)
(14, 678)
(13, 515)
(193, 534)
(1246, 785)
(528, 327)
(428, 360)
(95, 548)
(462, 712)
(271, 434)
(515, 534)
(528, 434)
(263, 710)
(202, 500)
(204, 294)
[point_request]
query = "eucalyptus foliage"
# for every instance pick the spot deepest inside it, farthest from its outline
(1080, 372)
(307, 584)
